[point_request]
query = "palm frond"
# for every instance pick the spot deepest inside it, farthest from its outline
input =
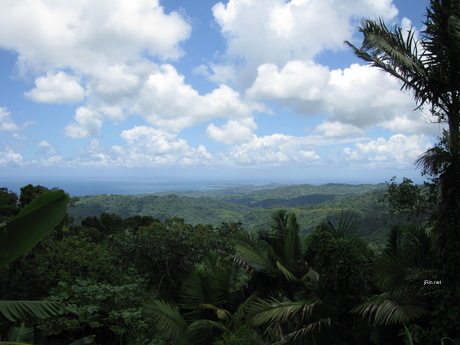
(272, 310)
(204, 331)
(395, 52)
(286, 235)
(253, 252)
(168, 320)
(389, 309)
(221, 313)
(311, 329)
(435, 160)
(27, 311)
(286, 273)
(407, 256)
(200, 288)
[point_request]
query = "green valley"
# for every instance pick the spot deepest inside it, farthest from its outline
(252, 205)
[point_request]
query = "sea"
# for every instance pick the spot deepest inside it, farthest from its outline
(81, 187)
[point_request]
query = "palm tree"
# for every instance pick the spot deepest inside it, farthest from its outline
(210, 305)
(274, 257)
(401, 271)
(295, 304)
(429, 67)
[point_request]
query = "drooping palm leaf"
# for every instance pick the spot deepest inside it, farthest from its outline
(309, 330)
(21, 233)
(253, 252)
(388, 309)
(204, 331)
(395, 52)
(168, 320)
(199, 289)
(407, 256)
(286, 273)
(27, 311)
(272, 310)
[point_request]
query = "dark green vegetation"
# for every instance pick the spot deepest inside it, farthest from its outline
(109, 279)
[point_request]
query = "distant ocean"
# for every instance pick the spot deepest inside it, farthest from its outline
(117, 186)
(80, 187)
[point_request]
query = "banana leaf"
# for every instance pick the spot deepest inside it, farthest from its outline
(21, 233)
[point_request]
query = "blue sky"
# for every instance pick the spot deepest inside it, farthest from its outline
(256, 89)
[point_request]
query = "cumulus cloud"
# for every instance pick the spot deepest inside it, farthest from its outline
(87, 123)
(152, 146)
(338, 129)
(9, 158)
(273, 150)
(80, 34)
(168, 102)
(398, 151)
(279, 31)
(7, 123)
(357, 97)
(233, 132)
(57, 88)
(46, 147)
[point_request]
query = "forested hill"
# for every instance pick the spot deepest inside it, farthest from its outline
(252, 205)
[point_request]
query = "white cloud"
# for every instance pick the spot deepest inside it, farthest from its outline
(152, 147)
(302, 80)
(273, 150)
(9, 158)
(338, 129)
(80, 34)
(87, 123)
(48, 162)
(278, 31)
(358, 97)
(7, 123)
(233, 132)
(169, 103)
(57, 88)
(398, 151)
(113, 82)
(46, 147)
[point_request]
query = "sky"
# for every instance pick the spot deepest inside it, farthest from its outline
(238, 89)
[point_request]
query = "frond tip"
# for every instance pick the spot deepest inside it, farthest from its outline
(25, 311)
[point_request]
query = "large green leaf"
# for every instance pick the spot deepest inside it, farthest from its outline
(21, 335)
(21, 233)
(28, 310)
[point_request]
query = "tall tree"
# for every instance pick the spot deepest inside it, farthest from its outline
(429, 67)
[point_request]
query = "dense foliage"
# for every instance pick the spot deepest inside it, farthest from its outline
(141, 280)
